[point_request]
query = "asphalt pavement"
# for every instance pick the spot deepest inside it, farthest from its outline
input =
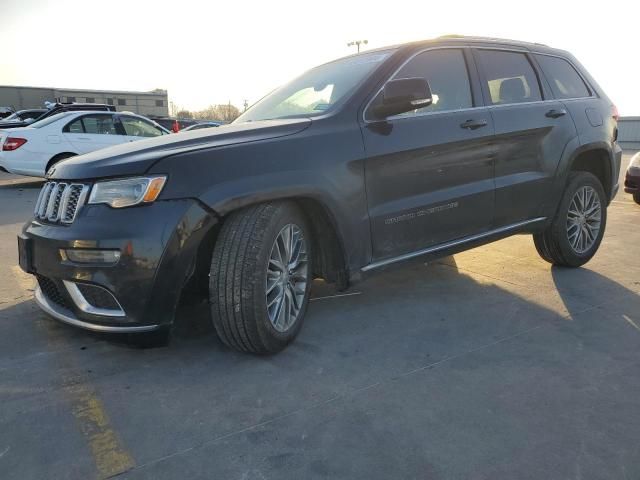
(490, 364)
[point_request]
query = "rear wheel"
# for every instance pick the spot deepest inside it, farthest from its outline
(578, 227)
(636, 198)
(260, 277)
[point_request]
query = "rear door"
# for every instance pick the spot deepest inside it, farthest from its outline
(531, 133)
(136, 128)
(93, 132)
(429, 172)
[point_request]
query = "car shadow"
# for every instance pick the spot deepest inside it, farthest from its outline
(580, 287)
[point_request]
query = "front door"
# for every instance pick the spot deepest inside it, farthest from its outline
(137, 128)
(92, 132)
(429, 173)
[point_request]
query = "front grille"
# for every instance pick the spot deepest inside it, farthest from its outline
(60, 201)
(98, 297)
(51, 290)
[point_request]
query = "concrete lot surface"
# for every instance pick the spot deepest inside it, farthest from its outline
(487, 365)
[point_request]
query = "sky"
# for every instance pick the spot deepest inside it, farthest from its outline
(209, 52)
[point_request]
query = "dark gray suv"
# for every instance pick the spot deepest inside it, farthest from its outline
(407, 152)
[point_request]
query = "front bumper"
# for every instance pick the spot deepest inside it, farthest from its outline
(67, 316)
(632, 180)
(158, 245)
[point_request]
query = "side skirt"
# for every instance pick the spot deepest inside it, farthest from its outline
(458, 245)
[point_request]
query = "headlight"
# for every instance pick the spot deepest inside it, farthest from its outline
(128, 192)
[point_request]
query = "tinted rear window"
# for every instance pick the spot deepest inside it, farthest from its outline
(565, 81)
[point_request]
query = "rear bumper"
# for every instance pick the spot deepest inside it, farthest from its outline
(158, 247)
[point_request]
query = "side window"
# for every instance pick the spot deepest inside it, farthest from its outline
(74, 127)
(510, 77)
(136, 127)
(99, 124)
(565, 81)
(446, 72)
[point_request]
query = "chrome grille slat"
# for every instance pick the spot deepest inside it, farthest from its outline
(42, 208)
(55, 201)
(60, 202)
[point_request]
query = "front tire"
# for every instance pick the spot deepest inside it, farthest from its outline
(578, 227)
(260, 277)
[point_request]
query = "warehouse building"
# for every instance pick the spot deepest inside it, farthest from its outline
(144, 103)
(629, 132)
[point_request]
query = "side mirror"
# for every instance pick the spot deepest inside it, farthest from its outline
(403, 95)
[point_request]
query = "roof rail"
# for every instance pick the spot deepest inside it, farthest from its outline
(489, 39)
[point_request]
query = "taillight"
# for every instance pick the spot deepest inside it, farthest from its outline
(614, 112)
(13, 143)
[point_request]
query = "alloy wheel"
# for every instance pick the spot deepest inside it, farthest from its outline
(287, 277)
(584, 219)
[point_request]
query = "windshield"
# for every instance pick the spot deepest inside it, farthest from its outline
(316, 91)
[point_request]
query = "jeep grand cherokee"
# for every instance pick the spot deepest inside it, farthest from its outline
(408, 152)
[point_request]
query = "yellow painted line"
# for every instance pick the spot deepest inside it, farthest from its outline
(25, 281)
(108, 452)
(109, 455)
(631, 322)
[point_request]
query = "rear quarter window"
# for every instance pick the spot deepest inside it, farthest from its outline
(563, 78)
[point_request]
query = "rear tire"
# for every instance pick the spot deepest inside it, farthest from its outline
(636, 198)
(257, 302)
(578, 227)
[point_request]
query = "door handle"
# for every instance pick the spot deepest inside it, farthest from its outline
(473, 124)
(83, 139)
(556, 113)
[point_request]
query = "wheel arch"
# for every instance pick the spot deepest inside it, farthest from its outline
(595, 158)
(57, 157)
(330, 261)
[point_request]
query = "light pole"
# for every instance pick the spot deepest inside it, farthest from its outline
(357, 43)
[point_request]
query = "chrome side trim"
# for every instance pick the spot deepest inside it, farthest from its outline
(82, 304)
(452, 243)
(66, 316)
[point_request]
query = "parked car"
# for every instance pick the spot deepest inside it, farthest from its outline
(632, 179)
(54, 110)
(33, 150)
(410, 152)
(6, 112)
(24, 116)
(201, 125)
(173, 124)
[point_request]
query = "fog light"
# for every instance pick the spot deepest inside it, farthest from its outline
(77, 255)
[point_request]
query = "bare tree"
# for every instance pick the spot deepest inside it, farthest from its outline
(224, 112)
(184, 114)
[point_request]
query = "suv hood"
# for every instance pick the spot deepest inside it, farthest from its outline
(135, 158)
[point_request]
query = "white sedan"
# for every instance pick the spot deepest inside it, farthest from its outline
(34, 149)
